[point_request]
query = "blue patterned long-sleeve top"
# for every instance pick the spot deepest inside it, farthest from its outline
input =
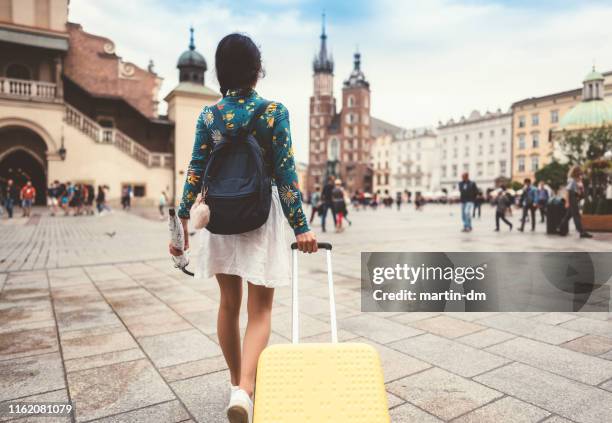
(274, 137)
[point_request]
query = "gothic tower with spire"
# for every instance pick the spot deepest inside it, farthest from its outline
(322, 112)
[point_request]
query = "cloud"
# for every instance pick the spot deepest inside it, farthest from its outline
(426, 61)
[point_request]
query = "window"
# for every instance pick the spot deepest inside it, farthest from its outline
(454, 171)
(479, 169)
(467, 150)
(386, 179)
(554, 116)
(535, 140)
(479, 149)
(466, 167)
(521, 122)
(535, 163)
(467, 137)
(521, 164)
(480, 135)
(454, 153)
(491, 168)
(18, 71)
(351, 101)
(535, 119)
(492, 133)
(503, 131)
(502, 167)
(491, 148)
(521, 141)
(443, 154)
(503, 147)
(138, 190)
(444, 171)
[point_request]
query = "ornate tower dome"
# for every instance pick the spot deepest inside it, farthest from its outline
(323, 63)
(356, 78)
(593, 111)
(191, 64)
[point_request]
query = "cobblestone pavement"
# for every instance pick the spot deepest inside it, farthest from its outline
(92, 311)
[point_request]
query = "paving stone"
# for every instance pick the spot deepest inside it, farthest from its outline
(167, 412)
(592, 326)
(104, 359)
(442, 394)
(507, 409)
(343, 336)
(24, 312)
(556, 419)
(378, 329)
(193, 368)
(397, 365)
(19, 326)
(31, 375)
(408, 413)
(554, 318)
(179, 347)
(607, 385)
(309, 326)
(28, 342)
(570, 364)
(205, 396)
(116, 388)
(203, 303)
(590, 344)
(449, 355)
(412, 316)
(485, 338)
(446, 326)
(205, 322)
(567, 398)
(84, 343)
(393, 400)
(155, 324)
(85, 318)
(531, 329)
(470, 316)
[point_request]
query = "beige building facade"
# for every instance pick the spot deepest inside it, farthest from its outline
(71, 109)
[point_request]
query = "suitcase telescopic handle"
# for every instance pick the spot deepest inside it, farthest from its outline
(295, 335)
(322, 245)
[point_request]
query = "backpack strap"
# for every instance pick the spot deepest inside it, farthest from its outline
(218, 120)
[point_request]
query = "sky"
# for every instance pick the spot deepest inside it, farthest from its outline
(426, 61)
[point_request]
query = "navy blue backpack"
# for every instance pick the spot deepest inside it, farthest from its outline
(237, 188)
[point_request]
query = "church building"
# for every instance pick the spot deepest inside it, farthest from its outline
(340, 141)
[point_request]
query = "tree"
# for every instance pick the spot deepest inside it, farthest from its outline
(581, 146)
(553, 174)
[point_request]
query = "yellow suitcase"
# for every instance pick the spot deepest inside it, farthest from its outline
(319, 383)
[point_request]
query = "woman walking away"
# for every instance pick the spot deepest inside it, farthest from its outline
(339, 204)
(260, 256)
(502, 204)
(575, 191)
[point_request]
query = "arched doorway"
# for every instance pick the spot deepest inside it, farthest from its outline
(23, 158)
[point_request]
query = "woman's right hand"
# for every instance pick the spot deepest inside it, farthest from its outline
(175, 251)
(307, 242)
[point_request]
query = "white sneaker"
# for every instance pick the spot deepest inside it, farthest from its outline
(240, 408)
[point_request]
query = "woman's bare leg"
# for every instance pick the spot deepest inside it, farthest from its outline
(228, 327)
(259, 307)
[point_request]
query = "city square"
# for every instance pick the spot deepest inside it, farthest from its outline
(93, 312)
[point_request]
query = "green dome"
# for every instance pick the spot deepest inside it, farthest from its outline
(594, 76)
(588, 114)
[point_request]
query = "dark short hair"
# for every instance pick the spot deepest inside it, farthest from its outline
(237, 62)
(527, 181)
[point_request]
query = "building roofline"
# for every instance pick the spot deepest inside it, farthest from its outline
(561, 94)
(482, 118)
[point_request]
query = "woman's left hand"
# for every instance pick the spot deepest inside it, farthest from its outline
(307, 242)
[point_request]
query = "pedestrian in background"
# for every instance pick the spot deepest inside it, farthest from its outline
(543, 197)
(574, 192)
(468, 192)
(528, 201)
(502, 204)
(163, 200)
(478, 204)
(326, 198)
(398, 200)
(27, 196)
(11, 196)
(339, 204)
(315, 202)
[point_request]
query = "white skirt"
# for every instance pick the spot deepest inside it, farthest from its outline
(261, 256)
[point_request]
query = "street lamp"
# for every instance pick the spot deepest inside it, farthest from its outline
(62, 150)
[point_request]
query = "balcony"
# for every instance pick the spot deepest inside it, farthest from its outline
(24, 89)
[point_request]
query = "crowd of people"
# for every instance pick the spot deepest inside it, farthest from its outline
(554, 210)
(61, 197)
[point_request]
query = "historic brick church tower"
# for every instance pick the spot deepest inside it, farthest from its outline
(339, 142)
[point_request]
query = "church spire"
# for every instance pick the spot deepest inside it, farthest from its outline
(191, 41)
(323, 63)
